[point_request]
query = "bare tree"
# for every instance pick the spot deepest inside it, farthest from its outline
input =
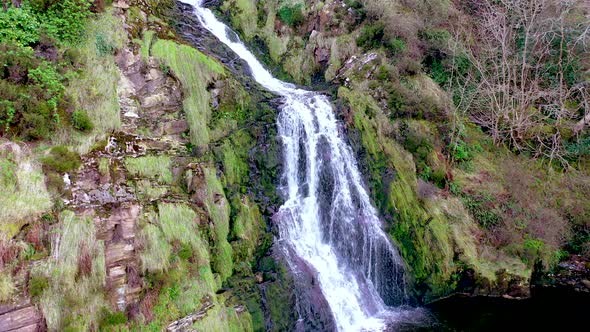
(523, 54)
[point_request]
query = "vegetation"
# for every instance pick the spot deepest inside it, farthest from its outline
(7, 288)
(73, 298)
(61, 159)
(36, 39)
(292, 14)
(195, 70)
(152, 167)
(23, 195)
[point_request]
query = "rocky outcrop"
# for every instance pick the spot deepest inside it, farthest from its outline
(185, 323)
(21, 317)
(572, 274)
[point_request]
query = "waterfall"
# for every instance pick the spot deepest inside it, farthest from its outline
(327, 220)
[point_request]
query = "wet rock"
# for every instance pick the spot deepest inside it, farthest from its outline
(571, 274)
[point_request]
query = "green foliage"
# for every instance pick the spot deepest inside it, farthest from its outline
(407, 103)
(112, 318)
(81, 121)
(371, 36)
(37, 284)
(153, 167)
(396, 46)
(292, 15)
(62, 20)
(437, 37)
(65, 20)
(534, 249)
(48, 79)
(578, 149)
(103, 46)
(481, 208)
(20, 26)
(61, 159)
(195, 70)
(31, 93)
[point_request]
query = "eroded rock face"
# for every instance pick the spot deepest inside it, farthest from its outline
(21, 317)
(104, 190)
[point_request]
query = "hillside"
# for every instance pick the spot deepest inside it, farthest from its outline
(142, 172)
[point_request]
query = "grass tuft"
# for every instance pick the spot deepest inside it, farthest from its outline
(195, 70)
(153, 167)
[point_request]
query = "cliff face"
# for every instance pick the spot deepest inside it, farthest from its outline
(468, 215)
(162, 219)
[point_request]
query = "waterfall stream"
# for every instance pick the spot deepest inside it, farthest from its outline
(327, 221)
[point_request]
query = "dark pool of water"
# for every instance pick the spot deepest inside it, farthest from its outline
(546, 310)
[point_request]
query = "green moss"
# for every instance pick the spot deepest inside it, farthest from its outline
(244, 16)
(219, 212)
(153, 167)
(146, 45)
(195, 70)
(233, 154)
(61, 159)
(421, 227)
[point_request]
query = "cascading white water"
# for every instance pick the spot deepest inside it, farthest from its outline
(327, 220)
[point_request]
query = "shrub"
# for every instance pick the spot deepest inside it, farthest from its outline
(19, 25)
(360, 13)
(37, 284)
(396, 46)
(292, 15)
(64, 20)
(81, 121)
(533, 249)
(103, 46)
(49, 80)
(61, 160)
(113, 318)
(482, 211)
(371, 36)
